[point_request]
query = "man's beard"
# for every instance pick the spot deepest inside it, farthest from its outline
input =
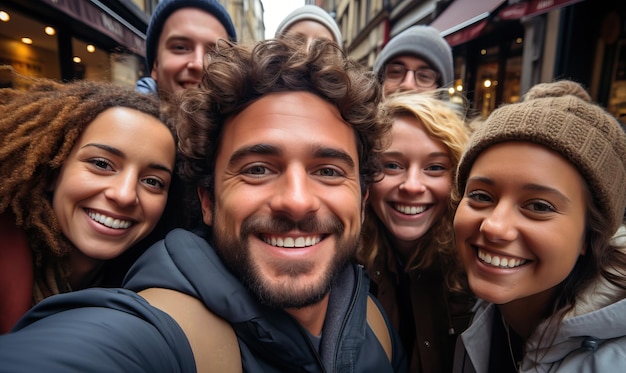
(235, 253)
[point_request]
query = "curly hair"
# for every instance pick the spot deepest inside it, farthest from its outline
(37, 133)
(237, 75)
(445, 123)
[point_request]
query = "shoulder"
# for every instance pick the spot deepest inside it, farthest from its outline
(96, 330)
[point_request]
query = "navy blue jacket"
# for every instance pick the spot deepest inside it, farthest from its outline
(116, 330)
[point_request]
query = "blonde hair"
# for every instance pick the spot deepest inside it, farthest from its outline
(444, 122)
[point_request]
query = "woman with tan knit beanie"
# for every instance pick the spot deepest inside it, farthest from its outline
(86, 170)
(541, 191)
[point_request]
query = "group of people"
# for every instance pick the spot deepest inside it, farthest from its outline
(275, 207)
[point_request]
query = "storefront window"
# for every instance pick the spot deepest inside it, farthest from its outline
(29, 47)
(90, 62)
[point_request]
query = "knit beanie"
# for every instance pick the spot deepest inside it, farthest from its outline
(561, 117)
(312, 13)
(423, 42)
(167, 7)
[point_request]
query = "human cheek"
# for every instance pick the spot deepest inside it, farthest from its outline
(154, 206)
(464, 223)
(377, 193)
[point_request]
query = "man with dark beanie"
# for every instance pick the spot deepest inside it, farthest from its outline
(179, 33)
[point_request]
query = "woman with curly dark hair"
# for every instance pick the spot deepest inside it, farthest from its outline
(86, 168)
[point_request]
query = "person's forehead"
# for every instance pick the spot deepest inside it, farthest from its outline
(288, 118)
(410, 61)
(192, 17)
(310, 26)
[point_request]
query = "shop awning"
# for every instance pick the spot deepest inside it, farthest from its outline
(463, 20)
(533, 8)
(104, 20)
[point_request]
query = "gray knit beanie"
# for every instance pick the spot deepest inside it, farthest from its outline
(423, 42)
(167, 7)
(561, 116)
(313, 13)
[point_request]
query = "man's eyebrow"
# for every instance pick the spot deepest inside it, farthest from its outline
(319, 151)
(259, 149)
(326, 152)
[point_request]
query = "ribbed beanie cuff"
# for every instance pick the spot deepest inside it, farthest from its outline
(562, 117)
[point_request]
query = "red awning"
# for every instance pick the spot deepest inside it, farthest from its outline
(533, 8)
(463, 20)
(466, 34)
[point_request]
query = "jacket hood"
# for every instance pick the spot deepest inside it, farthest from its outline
(599, 315)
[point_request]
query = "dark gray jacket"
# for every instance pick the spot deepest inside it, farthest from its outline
(116, 330)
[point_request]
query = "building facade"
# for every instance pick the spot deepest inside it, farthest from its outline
(90, 39)
(503, 47)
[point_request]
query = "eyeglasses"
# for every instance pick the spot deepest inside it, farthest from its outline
(424, 77)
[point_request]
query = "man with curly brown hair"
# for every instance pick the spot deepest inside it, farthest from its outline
(282, 143)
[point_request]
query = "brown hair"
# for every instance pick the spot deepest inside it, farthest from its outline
(38, 130)
(237, 75)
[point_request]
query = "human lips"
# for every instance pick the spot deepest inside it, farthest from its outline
(288, 241)
(109, 221)
(408, 209)
(189, 84)
(499, 261)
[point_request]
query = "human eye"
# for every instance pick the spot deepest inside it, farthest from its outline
(540, 207)
(478, 196)
(154, 182)
(392, 166)
(256, 170)
(100, 164)
(437, 168)
(178, 47)
(329, 172)
(395, 71)
(426, 76)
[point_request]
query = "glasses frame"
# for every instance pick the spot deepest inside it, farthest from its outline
(417, 81)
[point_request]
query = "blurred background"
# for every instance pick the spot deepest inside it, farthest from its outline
(500, 47)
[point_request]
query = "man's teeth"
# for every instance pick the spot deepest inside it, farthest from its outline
(497, 261)
(292, 242)
(109, 221)
(410, 210)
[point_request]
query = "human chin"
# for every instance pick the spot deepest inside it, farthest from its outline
(301, 283)
(283, 284)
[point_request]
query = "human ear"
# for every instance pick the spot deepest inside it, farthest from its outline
(153, 72)
(205, 202)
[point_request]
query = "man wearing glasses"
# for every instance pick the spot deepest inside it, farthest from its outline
(417, 59)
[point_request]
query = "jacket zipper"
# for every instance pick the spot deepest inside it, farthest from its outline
(357, 292)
